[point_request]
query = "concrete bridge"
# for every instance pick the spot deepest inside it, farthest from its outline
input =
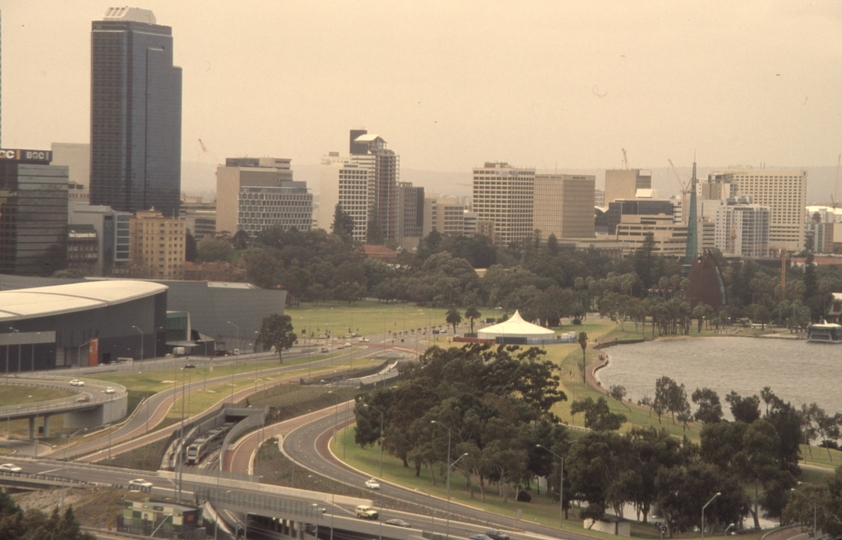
(91, 406)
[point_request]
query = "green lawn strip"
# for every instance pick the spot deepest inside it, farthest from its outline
(14, 394)
(569, 357)
(818, 457)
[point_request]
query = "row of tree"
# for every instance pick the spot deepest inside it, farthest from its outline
(546, 281)
(488, 409)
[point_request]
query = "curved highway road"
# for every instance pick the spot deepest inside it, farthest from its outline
(308, 446)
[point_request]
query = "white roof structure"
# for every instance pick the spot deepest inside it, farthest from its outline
(516, 327)
(60, 299)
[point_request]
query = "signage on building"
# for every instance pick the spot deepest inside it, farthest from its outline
(93, 352)
(26, 156)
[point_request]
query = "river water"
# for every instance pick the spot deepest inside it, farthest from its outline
(797, 371)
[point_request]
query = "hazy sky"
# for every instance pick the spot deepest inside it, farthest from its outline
(451, 84)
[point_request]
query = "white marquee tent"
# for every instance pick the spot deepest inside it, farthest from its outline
(516, 327)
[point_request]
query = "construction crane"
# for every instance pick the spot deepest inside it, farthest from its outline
(625, 159)
(685, 188)
(205, 150)
(834, 198)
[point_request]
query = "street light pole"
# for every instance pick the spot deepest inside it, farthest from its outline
(381, 436)
(16, 331)
(449, 433)
(141, 340)
(238, 333)
(718, 493)
(450, 466)
(560, 484)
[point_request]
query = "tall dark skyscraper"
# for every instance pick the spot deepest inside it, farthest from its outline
(135, 114)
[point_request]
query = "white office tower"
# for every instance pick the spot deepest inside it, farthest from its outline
(743, 229)
(784, 191)
(504, 196)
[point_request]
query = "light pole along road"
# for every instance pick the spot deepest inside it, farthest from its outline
(308, 447)
(134, 430)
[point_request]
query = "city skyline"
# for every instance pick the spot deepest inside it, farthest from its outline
(538, 85)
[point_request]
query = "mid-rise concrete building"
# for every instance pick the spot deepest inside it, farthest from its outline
(33, 213)
(135, 114)
(599, 197)
(670, 238)
(638, 207)
(743, 229)
(82, 248)
(783, 191)
(445, 215)
(504, 195)
(157, 245)
(199, 216)
(470, 219)
(254, 194)
(349, 184)
(77, 158)
(562, 205)
(624, 183)
(113, 234)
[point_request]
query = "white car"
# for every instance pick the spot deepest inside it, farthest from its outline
(372, 484)
(10, 467)
(139, 483)
(77, 382)
(109, 390)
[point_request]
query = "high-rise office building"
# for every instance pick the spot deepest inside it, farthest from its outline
(784, 191)
(370, 148)
(624, 183)
(33, 213)
(135, 114)
(364, 185)
(253, 194)
(410, 214)
(563, 205)
(504, 195)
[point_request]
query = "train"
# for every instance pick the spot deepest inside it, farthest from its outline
(207, 443)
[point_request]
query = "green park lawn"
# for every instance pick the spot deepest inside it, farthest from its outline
(365, 318)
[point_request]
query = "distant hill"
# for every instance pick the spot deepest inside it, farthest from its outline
(198, 178)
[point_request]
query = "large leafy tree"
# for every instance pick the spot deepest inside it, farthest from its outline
(277, 331)
(598, 416)
(710, 408)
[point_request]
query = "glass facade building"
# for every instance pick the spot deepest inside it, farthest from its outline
(135, 114)
(33, 218)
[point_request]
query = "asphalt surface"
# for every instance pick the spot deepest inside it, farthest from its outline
(307, 446)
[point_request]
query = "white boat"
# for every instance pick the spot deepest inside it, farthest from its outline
(824, 333)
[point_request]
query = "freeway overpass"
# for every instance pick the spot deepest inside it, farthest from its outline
(91, 406)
